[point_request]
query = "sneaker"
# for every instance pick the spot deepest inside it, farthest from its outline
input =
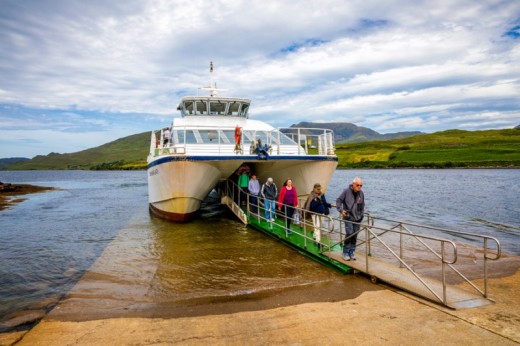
(346, 257)
(352, 257)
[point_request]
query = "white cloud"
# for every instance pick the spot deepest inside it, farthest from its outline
(421, 65)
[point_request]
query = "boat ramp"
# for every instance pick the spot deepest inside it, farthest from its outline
(429, 262)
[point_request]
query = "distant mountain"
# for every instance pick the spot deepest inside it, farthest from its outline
(9, 161)
(350, 133)
(124, 153)
(517, 127)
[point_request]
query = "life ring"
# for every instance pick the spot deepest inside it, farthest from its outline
(238, 135)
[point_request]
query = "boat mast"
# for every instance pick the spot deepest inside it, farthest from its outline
(212, 89)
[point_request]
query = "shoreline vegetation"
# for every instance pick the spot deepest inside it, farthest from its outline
(9, 193)
(446, 149)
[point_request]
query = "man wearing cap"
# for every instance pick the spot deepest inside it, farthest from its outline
(351, 206)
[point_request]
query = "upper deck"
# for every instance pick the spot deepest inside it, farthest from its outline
(208, 126)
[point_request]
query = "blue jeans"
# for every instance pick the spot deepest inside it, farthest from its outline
(253, 202)
(288, 212)
(349, 245)
(269, 209)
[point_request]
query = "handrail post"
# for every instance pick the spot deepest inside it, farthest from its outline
(444, 298)
(302, 222)
(367, 237)
(369, 244)
(485, 269)
(400, 243)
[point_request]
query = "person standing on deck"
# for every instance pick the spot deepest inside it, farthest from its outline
(287, 201)
(351, 206)
(166, 136)
(268, 193)
(238, 137)
(254, 190)
(318, 205)
(243, 185)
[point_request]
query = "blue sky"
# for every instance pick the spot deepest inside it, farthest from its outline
(78, 74)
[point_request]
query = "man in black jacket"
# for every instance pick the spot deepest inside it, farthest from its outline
(351, 206)
(269, 193)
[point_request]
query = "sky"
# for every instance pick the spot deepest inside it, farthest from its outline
(76, 74)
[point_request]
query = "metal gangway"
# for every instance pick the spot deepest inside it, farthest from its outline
(437, 264)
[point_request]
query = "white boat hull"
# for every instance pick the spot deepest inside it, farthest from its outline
(177, 186)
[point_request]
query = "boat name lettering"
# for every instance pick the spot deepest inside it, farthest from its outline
(154, 172)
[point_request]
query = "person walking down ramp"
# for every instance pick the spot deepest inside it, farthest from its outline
(317, 203)
(268, 193)
(254, 190)
(287, 201)
(351, 206)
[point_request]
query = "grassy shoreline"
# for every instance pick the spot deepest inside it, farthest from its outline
(447, 149)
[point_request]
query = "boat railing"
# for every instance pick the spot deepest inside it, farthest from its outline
(215, 140)
(408, 245)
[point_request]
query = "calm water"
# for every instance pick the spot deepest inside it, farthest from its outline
(51, 239)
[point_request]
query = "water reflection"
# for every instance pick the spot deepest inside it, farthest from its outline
(154, 265)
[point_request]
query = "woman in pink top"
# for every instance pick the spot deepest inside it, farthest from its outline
(287, 200)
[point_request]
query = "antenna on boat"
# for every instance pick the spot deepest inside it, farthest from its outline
(212, 88)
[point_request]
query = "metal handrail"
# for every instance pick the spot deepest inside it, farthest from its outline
(450, 231)
(401, 228)
(485, 246)
(279, 141)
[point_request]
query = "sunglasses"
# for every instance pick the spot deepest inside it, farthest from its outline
(360, 185)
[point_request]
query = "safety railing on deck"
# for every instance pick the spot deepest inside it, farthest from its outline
(333, 236)
(221, 140)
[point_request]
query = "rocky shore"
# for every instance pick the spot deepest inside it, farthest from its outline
(8, 193)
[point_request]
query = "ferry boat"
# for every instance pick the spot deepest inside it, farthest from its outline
(214, 139)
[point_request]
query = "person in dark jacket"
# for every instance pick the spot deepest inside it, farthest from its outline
(351, 205)
(269, 193)
(317, 203)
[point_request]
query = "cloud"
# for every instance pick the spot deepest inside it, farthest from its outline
(96, 68)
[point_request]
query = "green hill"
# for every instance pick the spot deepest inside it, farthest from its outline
(447, 149)
(350, 133)
(125, 153)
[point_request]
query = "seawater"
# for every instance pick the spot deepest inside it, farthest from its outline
(50, 240)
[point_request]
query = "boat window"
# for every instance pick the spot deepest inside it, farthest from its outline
(202, 107)
(234, 108)
(208, 136)
(226, 135)
(189, 107)
(217, 108)
(189, 135)
(245, 108)
(175, 136)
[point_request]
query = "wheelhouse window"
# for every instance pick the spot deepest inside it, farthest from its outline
(217, 107)
(243, 111)
(189, 107)
(234, 108)
(202, 107)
